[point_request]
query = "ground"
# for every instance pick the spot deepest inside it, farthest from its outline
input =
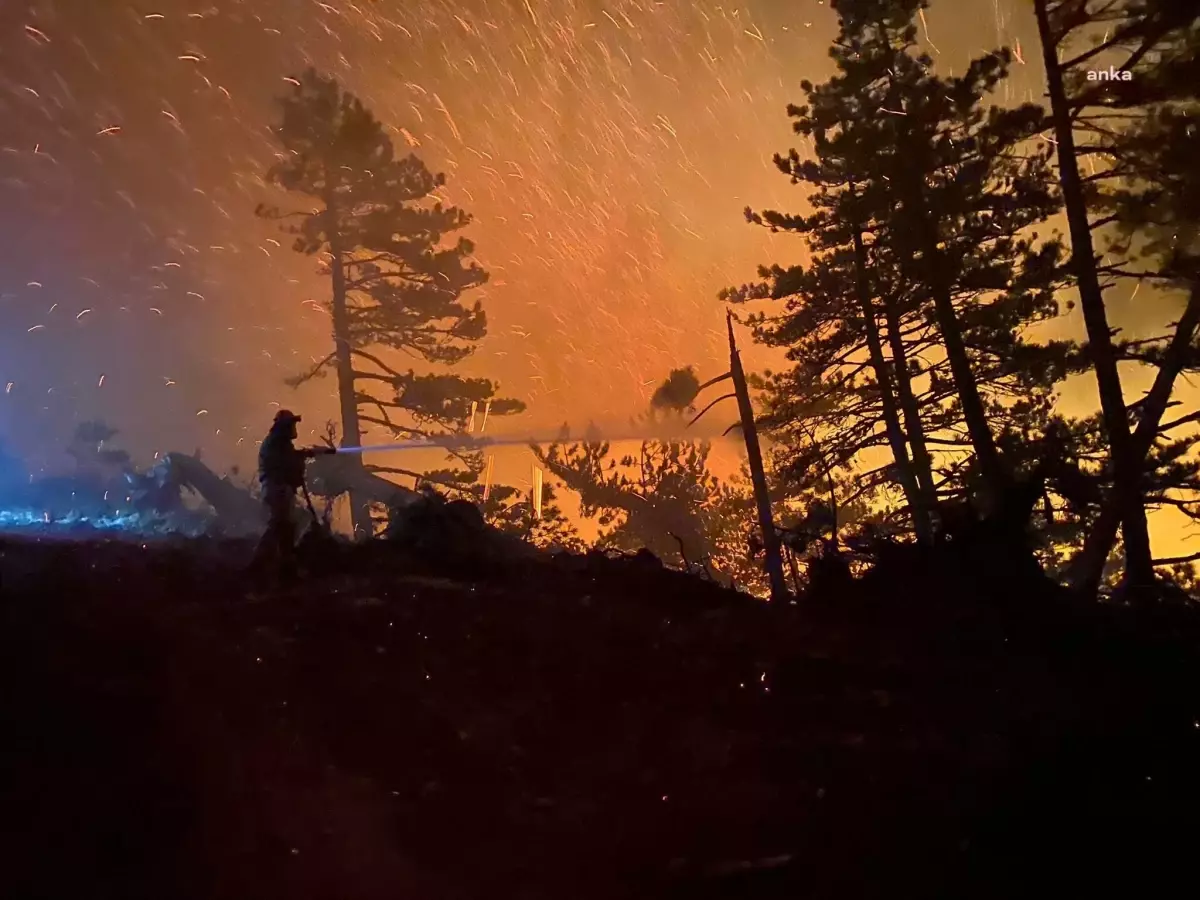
(571, 732)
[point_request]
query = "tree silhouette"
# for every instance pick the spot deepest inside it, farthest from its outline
(678, 393)
(907, 329)
(663, 498)
(396, 285)
(509, 509)
(1138, 142)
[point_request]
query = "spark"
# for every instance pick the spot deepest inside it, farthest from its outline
(449, 119)
(550, 121)
(925, 26)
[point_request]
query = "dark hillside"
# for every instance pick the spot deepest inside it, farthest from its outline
(604, 731)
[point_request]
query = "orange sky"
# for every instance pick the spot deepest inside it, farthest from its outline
(607, 151)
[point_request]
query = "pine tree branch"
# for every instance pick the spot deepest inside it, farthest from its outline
(863, 490)
(270, 212)
(385, 421)
(1125, 273)
(1079, 17)
(312, 373)
(964, 442)
(710, 406)
(420, 476)
(373, 376)
(1118, 39)
(370, 357)
(365, 281)
(1096, 122)
(1102, 222)
(370, 260)
(1110, 175)
(1178, 560)
(1187, 507)
(1183, 420)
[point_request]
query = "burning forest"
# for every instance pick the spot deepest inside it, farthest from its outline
(526, 449)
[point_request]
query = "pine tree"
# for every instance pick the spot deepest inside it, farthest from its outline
(841, 381)
(396, 285)
(665, 499)
(510, 510)
(923, 267)
(651, 499)
(957, 189)
(1139, 141)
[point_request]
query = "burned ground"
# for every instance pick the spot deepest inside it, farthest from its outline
(584, 730)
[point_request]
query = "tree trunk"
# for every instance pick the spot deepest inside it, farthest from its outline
(995, 479)
(887, 398)
(1088, 566)
(791, 557)
(360, 507)
(834, 509)
(922, 461)
(1139, 564)
(758, 476)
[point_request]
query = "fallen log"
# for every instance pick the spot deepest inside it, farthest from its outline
(160, 491)
(333, 476)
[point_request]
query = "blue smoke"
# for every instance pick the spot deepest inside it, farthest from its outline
(27, 520)
(70, 505)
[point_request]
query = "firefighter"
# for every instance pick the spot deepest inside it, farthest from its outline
(281, 474)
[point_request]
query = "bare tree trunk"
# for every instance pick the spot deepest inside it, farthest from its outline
(1139, 563)
(834, 510)
(795, 570)
(758, 476)
(1088, 566)
(922, 461)
(995, 479)
(360, 508)
(887, 398)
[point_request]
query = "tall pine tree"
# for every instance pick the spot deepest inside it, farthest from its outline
(907, 326)
(396, 284)
(958, 186)
(1136, 136)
